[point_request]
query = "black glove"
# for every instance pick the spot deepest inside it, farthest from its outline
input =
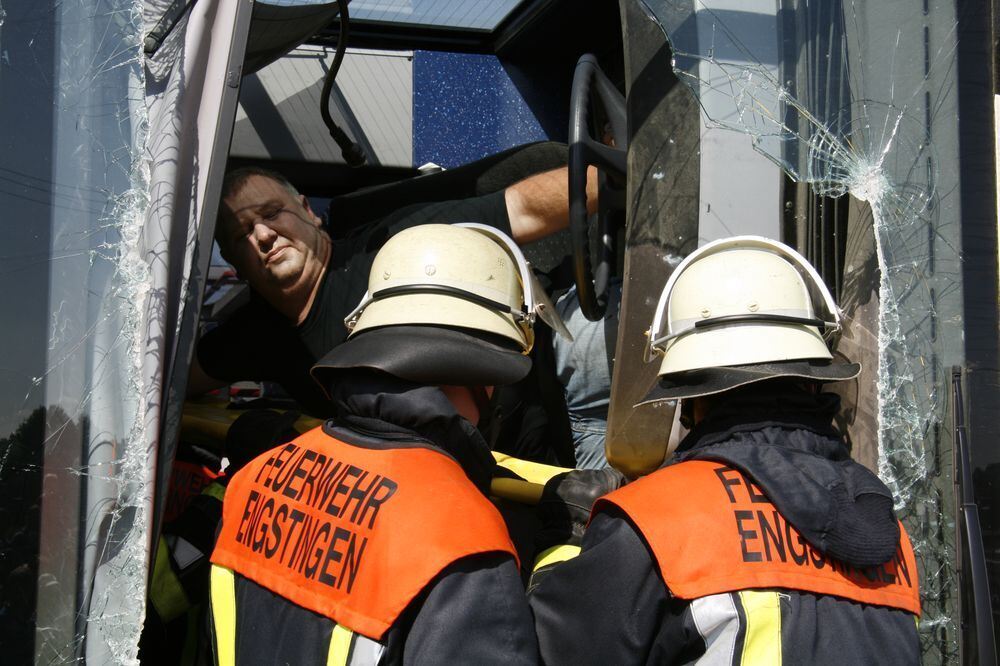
(566, 502)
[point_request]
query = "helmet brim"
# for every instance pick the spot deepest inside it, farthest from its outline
(708, 381)
(430, 355)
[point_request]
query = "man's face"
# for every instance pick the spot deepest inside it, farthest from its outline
(271, 237)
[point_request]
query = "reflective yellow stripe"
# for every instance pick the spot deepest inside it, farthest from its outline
(216, 490)
(166, 592)
(762, 644)
(224, 615)
(556, 554)
(340, 646)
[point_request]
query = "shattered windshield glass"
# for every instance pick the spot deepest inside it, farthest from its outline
(858, 99)
(72, 451)
(102, 187)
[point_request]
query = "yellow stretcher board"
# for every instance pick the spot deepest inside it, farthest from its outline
(206, 423)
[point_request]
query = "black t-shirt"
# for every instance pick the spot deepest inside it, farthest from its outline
(258, 343)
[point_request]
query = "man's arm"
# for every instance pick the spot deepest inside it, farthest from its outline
(235, 350)
(538, 206)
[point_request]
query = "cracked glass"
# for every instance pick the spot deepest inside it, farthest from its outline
(858, 99)
(73, 195)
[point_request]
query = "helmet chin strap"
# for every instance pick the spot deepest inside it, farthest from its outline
(483, 399)
(490, 414)
(687, 413)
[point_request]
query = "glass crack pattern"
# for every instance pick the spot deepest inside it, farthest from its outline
(75, 459)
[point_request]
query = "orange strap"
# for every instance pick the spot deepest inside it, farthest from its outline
(353, 533)
(713, 531)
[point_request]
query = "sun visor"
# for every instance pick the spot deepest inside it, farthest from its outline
(275, 30)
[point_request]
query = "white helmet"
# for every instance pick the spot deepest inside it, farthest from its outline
(740, 310)
(446, 304)
(465, 275)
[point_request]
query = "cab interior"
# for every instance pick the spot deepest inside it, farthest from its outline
(461, 101)
(429, 107)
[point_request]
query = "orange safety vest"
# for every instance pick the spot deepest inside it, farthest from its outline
(713, 531)
(353, 533)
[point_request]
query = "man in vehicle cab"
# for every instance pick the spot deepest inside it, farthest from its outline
(760, 540)
(371, 539)
(304, 284)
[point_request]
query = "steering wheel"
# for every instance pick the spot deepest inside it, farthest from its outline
(585, 151)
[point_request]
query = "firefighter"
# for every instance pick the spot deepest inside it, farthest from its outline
(760, 541)
(371, 539)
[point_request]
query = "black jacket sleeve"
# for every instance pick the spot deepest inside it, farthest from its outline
(609, 604)
(256, 345)
(489, 209)
(475, 612)
(241, 347)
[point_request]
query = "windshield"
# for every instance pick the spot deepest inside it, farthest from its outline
(103, 168)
